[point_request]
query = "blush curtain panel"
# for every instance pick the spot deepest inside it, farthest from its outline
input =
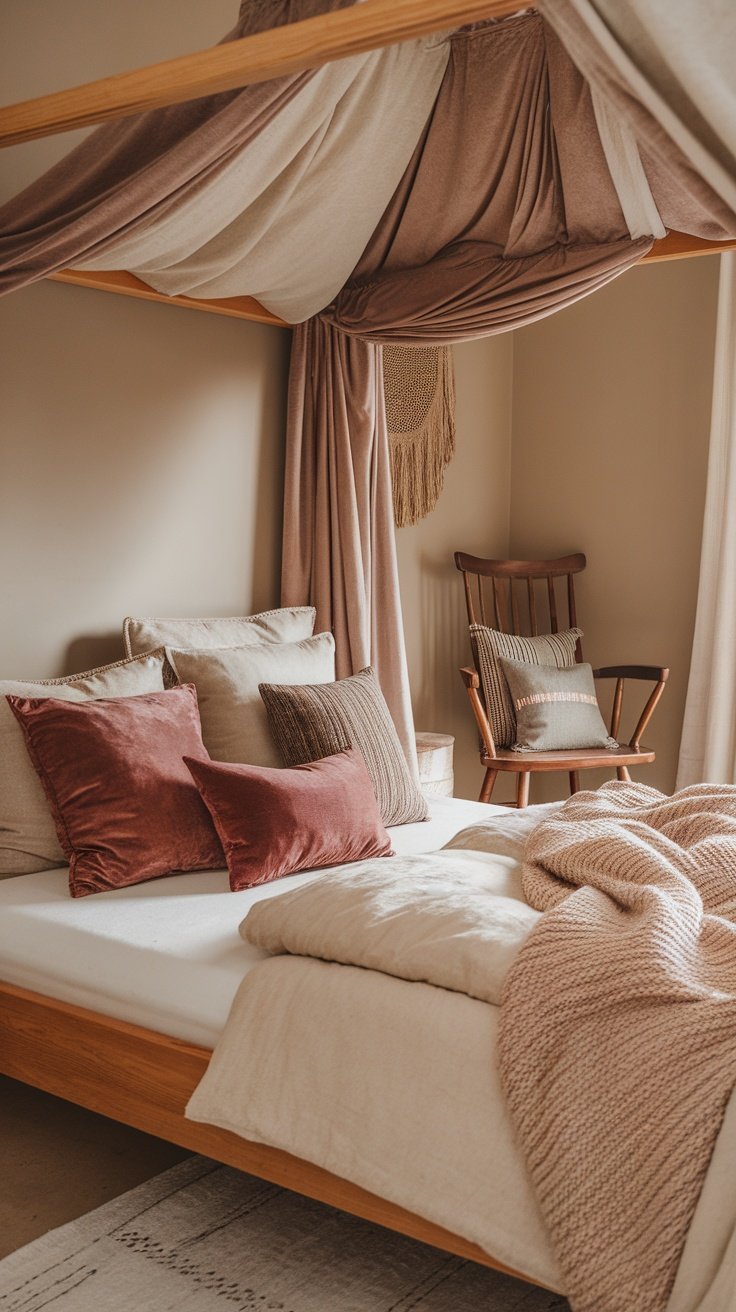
(339, 547)
(708, 747)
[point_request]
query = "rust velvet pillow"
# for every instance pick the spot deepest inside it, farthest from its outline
(123, 802)
(276, 822)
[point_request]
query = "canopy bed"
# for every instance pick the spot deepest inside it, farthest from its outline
(527, 232)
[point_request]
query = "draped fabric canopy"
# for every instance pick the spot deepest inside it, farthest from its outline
(421, 194)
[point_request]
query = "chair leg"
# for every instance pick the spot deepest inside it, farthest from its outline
(488, 783)
(574, 782)
(623, 774)
(522, 788)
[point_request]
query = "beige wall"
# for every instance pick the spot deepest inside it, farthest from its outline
(471, 515)
(586, 431)
(611, 411)
(141, 445)
(141, 457)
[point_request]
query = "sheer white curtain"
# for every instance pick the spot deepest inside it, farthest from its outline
(708, 747)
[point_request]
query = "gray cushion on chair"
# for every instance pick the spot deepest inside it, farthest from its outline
(556, 710)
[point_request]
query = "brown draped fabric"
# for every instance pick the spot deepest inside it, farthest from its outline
(506, 213)
(666, 67)
(134, 170)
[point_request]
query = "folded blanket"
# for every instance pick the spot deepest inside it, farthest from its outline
(451, 918)
(618, 1030)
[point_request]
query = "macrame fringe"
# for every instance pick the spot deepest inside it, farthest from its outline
(420, 456)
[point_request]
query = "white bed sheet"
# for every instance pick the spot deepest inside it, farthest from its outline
(166, 954)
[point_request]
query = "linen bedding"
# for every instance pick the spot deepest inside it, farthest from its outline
(388, 1071)
(166, 954)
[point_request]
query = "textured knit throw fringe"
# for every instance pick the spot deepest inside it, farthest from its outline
(618, 1033)
(419, 390)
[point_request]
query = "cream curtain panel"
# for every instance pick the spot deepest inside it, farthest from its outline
(708, 747)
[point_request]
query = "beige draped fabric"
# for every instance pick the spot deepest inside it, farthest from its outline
(325, 167)
(135, 171)
(708, 746)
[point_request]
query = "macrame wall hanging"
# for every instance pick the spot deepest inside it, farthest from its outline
(419, 388)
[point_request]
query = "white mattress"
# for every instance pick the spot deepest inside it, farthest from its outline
(167, 954)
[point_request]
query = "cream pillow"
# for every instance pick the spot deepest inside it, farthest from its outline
(28, 841)
(288, 624)
(234, 721)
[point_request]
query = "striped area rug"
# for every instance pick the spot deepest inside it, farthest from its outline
(204, 1238)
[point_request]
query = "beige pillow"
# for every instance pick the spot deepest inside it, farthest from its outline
(310, 723)
(288, 624)
(556, 649)
(28, 841)
(234, 721)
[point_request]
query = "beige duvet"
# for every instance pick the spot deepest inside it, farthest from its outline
(393, 1082)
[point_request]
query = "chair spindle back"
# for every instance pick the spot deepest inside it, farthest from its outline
(516, 596)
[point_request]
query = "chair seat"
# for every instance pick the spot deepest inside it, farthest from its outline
(580, 759)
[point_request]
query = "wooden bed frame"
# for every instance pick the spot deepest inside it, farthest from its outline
(134, 1075)
(145, 1079)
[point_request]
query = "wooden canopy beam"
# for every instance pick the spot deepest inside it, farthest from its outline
(681, 246)
(675, 246)
(292, 48)
(126, 284)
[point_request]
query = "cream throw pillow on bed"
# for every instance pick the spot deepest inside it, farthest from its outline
(234, 721)
(28, 841)
(288, 624)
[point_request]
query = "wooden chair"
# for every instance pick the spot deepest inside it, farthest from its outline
(508, 598)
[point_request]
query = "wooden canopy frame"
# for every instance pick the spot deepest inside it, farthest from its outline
(257, 58)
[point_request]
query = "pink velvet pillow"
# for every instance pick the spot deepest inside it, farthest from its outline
(123, 801)
(276, 822)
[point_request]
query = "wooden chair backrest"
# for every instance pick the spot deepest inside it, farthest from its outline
(521, 596)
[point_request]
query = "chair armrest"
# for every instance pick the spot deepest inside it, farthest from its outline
(470, 677)
(655, 674)
(472, 684)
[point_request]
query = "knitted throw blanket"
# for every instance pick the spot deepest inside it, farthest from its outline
(618, 1029)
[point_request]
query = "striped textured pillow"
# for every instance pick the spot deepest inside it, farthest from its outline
(311, 721)
(557, 649)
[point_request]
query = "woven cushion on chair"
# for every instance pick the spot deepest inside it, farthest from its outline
(556, 649)
(556, 710)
